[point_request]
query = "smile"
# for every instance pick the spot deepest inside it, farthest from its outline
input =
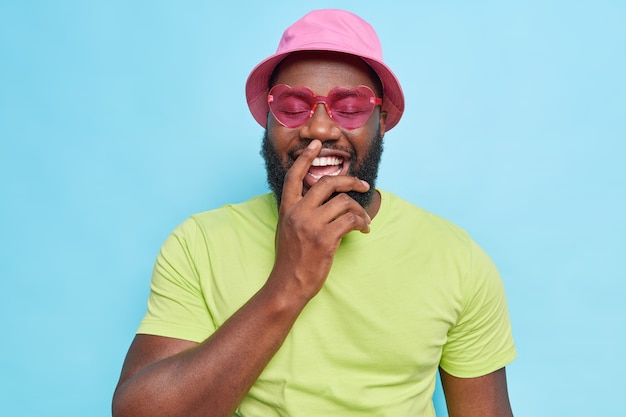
(326, 165)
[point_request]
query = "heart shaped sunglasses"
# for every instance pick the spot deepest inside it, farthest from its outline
(349, 108)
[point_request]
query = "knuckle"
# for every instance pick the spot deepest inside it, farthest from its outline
(289, 175)
(324, 180)
(351, 218)
(345, 199)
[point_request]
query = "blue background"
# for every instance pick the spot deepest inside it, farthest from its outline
(118, 119)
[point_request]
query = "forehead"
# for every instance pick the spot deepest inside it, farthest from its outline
(322, 71)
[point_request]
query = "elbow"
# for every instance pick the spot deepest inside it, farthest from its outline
(120, 406)
(117, 408)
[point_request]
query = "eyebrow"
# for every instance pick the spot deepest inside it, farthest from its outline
(297, 92)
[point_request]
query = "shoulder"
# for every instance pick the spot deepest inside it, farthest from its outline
(417, 221)
(261, 208)
(256, 214)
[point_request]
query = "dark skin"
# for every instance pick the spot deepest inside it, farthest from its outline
(171, 377)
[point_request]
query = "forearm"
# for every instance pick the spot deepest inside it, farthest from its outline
(212, 378)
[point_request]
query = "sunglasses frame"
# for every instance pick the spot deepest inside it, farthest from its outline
(310, 98)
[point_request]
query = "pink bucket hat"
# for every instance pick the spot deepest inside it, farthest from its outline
(327, 30)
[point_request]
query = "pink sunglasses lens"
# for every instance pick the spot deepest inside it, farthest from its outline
(290, 106)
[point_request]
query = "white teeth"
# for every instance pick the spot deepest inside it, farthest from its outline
(326, 160)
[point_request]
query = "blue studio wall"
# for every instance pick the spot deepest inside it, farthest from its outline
(118, 119)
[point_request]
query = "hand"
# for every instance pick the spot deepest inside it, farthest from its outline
(310, 227)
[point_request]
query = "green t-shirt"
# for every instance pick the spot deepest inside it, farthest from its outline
(414, 294)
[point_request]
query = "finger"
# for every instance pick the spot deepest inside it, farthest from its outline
(350, 221)
(292, 188)
(328, 185)
(339, 205)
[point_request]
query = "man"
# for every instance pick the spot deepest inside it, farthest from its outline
(326, 297)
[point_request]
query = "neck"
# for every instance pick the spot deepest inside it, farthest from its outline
(374, 206)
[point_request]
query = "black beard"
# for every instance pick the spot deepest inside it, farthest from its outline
(365, 169)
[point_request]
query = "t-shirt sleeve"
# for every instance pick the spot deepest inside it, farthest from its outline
(176, 306)
(481, 341)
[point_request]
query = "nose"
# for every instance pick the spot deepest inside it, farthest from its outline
(320, 126)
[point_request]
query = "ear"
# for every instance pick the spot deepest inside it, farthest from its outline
(382, 123)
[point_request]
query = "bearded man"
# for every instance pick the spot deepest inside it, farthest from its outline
(327, 296)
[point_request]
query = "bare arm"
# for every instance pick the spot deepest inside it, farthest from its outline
(171, 377)
(485, 396)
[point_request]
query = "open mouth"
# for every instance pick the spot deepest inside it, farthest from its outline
(326, 165)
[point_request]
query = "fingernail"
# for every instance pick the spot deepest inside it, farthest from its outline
(312, 144)
(365, 183)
